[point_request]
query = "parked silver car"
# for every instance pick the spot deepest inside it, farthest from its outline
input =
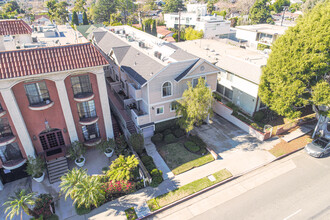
(318, 148)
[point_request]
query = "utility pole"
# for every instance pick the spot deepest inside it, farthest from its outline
(180, 9)
(284, 9)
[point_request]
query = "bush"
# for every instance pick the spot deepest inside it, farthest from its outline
(191, 146)
(258, 116)
(157, 177)
(256, 126)
(112, 188)
(216, 96)
(82, 210)
(148, 163)
(232, 106)
(179, 133)
(42, 206)
(157, 138)
(162, 126)
(137, 142)
(170, 138)
(166, 132)
(198, 141)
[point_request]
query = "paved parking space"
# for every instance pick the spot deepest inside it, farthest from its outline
(223, 136)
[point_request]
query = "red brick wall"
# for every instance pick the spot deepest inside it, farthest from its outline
(35, 120)
(97, 102)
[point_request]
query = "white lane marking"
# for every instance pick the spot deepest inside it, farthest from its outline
(292, 214)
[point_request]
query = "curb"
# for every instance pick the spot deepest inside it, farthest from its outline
(218, 184)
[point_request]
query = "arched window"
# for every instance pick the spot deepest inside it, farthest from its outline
(167, 89)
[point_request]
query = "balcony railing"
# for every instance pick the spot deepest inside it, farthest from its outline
(82, 92)
(40, 101)
(87, 117)
(134, 92)
(6, 134)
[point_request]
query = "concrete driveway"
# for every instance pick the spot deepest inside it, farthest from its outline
(222, 136)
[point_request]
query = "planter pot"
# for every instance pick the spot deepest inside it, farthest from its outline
(109, 154)
(40, 179)
(82, 163)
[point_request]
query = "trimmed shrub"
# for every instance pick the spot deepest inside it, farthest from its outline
(170, 138)
(157, 177)
(179, 133)
(157, 138)
(166, 132)
(216, 96)
(114, 188)
(137, 142)
(191, 146)
(198, 141)
(162, 126)
(82, 210)
(148, 163)
(42, 206)
(258, 116)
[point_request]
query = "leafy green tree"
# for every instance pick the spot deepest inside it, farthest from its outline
(191, 34)
(298, 65)
(126, 7)
(294, 7)
(79, 6)
(210, 7)
(137, 142)
(147, 25)
(18, 203)
(85, 19)
(309, 4)
(11, 6)
(260, 13)
(122, 168)
(278, 5)
(195, 105)
(57, 11)
(154, 28)
(173, 6)
(51, 5)
(70, 180)
(75, 18)
(103, 10)
(88, 192)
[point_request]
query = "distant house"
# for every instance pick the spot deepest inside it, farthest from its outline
(240, 71)
(41, 20)
(85, 30)
(13, 34)
(264, 34)
(147, 75)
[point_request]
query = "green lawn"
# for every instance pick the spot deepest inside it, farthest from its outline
(179, 160)
(130, 214)
(186, 190)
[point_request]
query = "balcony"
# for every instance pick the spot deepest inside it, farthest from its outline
(6, 135)
(92, 142)
(88, 117)
(40, 101)
(82, 92)
(13, 164)
(134, 92)
(2, 112)
(139, 117)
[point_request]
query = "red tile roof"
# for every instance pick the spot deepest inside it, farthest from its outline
(14, 27)
(18, 63)
(163, 30)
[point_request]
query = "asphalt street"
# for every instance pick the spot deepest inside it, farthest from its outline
(302, 193)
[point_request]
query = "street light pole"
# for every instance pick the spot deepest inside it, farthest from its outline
(180, 9)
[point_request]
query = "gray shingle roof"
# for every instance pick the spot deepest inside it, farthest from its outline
(180, 55)
(184, 73)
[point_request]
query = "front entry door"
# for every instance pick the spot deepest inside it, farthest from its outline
(52, 142)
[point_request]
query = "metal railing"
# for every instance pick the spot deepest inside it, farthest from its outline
(41, 99)
(5, 130)
(87, 114)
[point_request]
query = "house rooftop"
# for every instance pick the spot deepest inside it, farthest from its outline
(20, 63)
(242, 62)
(14, 27)
(264, 28)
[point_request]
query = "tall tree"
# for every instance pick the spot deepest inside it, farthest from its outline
(57, 11)
(260, 13)
(85, 19)
(173, 6)
(278, 5)
(191, 34)
(126, 7)
(195, 105)
(79, 6)
(210, 7)
(297, 71)
(18, 203)
(103, 10)
(75, 19)
(154, 28)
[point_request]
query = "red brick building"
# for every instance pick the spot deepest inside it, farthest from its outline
(49, 98)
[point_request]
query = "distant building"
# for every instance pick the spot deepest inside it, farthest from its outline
(264, 34)
(239, 78)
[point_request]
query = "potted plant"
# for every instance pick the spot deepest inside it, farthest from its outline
(76, 152)
(107, 147)
(36, 167)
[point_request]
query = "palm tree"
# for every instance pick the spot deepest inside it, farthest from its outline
(19, 203)
(122, 167)
(70, 180)
(89, 192)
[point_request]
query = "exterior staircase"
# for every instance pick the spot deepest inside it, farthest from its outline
(57, 168)
(131, 127)
(115, 126)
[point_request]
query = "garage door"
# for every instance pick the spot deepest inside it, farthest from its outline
(148, 132)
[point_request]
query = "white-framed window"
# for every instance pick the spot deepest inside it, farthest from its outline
(173, 107)
(195, 81)
(160, 110)
(167, 89)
